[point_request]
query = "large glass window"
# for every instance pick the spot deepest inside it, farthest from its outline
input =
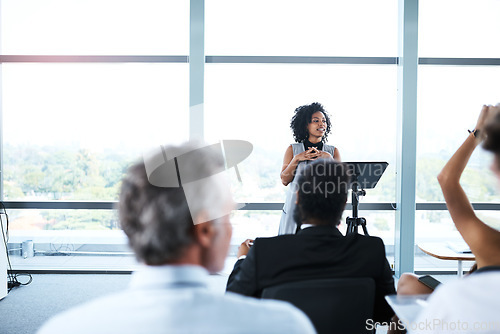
(256, 102)
(71, 130)
(298, 28)
(94, 27)
(68, 239)
(450, 99)
(459, 28)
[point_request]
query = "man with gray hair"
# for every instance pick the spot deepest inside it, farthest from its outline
(180, 234)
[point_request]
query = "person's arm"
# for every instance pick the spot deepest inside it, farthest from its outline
(290, 163)
(336, 155)
(482, 239)
(242, 279)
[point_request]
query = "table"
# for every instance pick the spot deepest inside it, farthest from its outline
(444, 252)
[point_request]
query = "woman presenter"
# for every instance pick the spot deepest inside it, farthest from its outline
(310, 125)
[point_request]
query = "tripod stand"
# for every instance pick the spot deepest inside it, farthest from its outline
(367, 174)
(355, 221)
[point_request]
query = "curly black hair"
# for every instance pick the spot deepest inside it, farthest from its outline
(302, 118)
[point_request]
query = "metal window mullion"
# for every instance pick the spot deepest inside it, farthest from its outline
(407, 136)
(460, 61)
(91, 59)
(300, 60)
(250, 206)
(196, 69)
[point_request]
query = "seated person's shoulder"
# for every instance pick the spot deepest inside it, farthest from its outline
(273, 241)
(368, 240)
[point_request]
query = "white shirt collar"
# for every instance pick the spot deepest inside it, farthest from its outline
(303, 226)
(169, 275)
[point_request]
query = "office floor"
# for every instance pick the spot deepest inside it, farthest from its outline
(26, 308)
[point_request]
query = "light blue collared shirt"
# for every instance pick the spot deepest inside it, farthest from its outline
(176, 299)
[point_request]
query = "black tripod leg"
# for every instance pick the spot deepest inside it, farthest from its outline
(365, 231)
(350, 227)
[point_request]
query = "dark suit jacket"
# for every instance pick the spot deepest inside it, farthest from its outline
(315, 252)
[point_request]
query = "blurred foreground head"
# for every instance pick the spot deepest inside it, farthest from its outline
(186, 223)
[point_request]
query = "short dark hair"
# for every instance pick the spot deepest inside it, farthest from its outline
(323, 186)
(158, 220)
(492, 140)
(302, 118)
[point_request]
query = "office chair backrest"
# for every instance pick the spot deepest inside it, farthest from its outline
(336, 305)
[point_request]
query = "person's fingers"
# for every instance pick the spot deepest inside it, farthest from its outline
(246, 242)
(493, 110)
(482, 117)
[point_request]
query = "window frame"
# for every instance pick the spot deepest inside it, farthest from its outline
(407, 60)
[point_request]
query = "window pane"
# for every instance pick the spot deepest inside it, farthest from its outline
(253, 224)
(299, 28)
(379, 224)
(449, 101)
(255, 102)
(459, 28)
(67, 239)
(70, 130)
(437, 227)
(95, 27)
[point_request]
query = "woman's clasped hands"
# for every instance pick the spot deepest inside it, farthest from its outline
(312, 154)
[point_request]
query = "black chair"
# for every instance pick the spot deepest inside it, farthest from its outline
(336, 305)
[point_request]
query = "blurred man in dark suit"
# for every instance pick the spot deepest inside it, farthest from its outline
(318, 250)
